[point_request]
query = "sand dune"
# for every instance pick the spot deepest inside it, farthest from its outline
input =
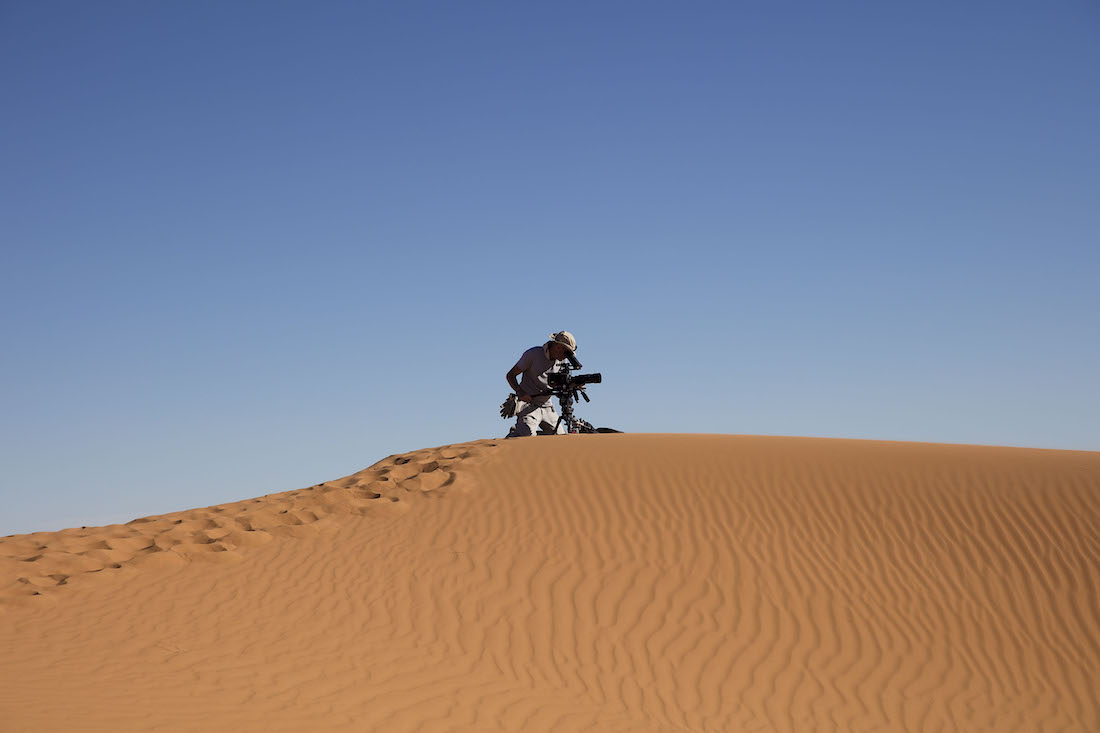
(599, 583)
(36, 564)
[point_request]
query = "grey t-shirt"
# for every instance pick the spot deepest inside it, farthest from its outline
(534, 366)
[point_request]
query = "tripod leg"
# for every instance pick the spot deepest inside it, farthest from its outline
(566, 416)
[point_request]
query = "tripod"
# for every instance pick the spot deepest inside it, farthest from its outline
(572, 424)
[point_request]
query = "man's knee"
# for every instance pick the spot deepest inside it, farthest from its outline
(522, 429)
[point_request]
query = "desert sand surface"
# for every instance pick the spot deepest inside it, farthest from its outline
(583, 583)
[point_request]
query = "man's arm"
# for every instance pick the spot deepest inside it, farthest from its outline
(511, 377)
(519, 368)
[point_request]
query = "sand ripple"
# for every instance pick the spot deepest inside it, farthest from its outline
(593, 583)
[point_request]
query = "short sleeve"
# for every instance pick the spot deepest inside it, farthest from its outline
(524, 362)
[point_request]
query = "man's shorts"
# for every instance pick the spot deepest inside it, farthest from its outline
(532, 419)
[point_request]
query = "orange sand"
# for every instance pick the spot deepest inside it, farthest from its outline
(598, 583)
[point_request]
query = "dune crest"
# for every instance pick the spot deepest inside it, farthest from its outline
(605, 583)
(32, 565)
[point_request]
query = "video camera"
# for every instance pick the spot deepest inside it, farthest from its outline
(566, 386)
(564, 381)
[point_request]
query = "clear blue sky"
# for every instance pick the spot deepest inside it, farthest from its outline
(247, 247)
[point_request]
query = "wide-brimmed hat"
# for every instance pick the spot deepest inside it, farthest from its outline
(565, 339)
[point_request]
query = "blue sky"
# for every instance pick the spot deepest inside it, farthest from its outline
(247, 247)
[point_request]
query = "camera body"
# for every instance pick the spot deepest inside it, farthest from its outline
(565, 381)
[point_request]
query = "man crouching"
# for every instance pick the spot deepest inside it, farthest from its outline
(534, 411)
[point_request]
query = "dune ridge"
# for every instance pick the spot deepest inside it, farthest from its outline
(612, 583)
(32, 565)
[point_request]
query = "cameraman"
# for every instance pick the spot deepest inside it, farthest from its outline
(534, 411)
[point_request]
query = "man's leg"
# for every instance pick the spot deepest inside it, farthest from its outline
(527, 422)
(550, 423)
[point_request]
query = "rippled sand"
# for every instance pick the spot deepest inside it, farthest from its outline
(598, 583)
